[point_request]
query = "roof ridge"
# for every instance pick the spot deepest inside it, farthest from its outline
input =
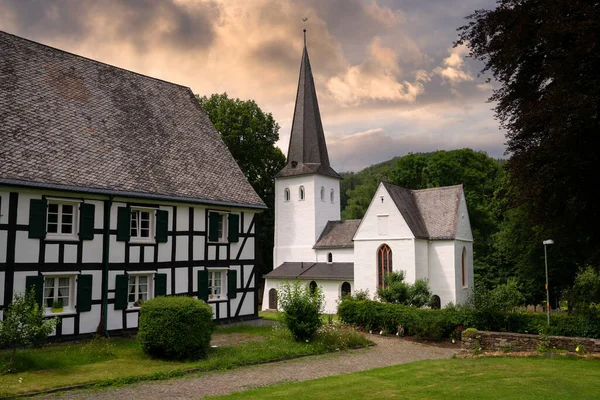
(92, 60)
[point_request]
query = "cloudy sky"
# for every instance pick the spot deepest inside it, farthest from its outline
(388, 80)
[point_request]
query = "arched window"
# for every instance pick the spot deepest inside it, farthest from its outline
(331, 197)
(322, 193)
(464, 267)
(384, 263)
(329, 258)
(346, 290)
(286, 194)
(273, 299)
(436, 302)
(312, 286)
(301, 193)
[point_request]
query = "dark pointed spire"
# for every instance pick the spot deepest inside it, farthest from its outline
(307, 152)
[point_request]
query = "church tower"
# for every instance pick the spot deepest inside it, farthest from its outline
(307, 189)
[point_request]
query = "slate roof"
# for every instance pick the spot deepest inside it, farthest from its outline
(307, 151)
(338, 234)
(77, 124)
(429, 213)
(337, 271)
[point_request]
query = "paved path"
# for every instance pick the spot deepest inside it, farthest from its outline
(389, 351)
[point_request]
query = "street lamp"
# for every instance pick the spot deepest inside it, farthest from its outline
(545, 243)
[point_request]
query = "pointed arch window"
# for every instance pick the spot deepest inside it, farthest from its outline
(331, 196)
(301, 193)
(329, 258)
(384, 263)
(286, 194)
(322, 193)
(464, 267)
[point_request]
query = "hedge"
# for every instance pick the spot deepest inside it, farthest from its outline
(175, 327)
(436, 324)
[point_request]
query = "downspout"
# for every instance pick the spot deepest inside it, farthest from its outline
(107, 209)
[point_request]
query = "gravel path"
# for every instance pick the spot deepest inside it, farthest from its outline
(389, 351)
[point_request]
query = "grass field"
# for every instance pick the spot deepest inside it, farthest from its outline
(481, 378)
(120, 360)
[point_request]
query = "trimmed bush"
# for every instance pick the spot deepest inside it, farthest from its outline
(436, 324)
(175, 327)
(301, 307)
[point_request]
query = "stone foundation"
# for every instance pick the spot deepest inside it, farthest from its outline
(509, 342)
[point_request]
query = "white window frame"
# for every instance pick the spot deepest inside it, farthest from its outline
(71, 308)
(59, 235)
(223, 287)
(149, 286)
(286, 195)
(151, 229)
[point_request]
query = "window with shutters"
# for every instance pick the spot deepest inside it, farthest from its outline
(59, 294)
(139, 289)
(62, 220)
(142, 225)
(217, 284)
(219, 231)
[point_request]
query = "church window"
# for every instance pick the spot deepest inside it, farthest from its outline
(322, 193)
(286, 194)
(464, 267)
(313, 287)
(329, 258)
(384, 263)
(346, 289)
(301, 193)
(331, 197)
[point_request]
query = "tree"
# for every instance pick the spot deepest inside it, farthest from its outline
(545, 56)
(301, 307)
(250, 134)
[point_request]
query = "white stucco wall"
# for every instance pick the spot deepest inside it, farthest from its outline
(339, 255)
(331, 289)
(442, 272)
(462, 293)
(422, 259)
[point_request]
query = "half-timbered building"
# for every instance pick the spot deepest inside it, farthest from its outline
(115, 188)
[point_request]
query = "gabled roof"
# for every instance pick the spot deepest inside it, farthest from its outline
(72, 123)
(429, 213)
(338, 271)
(338, 234)
(307, 151)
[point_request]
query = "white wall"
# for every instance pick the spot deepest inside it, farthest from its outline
(422, 258)
(462, 293)
(442, 270)
(339, 255)
(331, 289)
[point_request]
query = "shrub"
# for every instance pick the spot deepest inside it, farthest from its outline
(301, 307)
(175, 327)
(397, 291)
(503, 298)
(584, 295)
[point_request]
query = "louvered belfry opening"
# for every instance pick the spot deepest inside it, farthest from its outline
(384, 263)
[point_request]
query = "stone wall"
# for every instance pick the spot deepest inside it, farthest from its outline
(508, 342)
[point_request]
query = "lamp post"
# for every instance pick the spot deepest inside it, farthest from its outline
(545, 243)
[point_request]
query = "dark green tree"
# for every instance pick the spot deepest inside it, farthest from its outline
(250, 134)
(545, 56)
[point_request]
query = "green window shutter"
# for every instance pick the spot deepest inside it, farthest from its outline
(84, 293)
(234, 228)
(38, 210)
(123, 224)
(203, 285)
(213, 226)
(160, 285)
(162, 226)
(231, 284)
(86, 221)
(36, 282)
(121, 284)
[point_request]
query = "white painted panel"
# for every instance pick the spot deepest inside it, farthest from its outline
(3, 245)
(212, 253)
(117, 249)
(199, 216)
(92, 249)
(199, 248)
(134, 254)
(23, 209)
(98, 214)
(149, 254)
(442, 273)
(115, 318)
(70, 253)
(27, 250)
(183, 219)
(5, 196)
(68, 326)
(182, 248)
(223, 253)
(382, 225)
(195, 278)
(2, 284)
(19, 280)
(132, 320)
(181, 280)
(421, 259)
(164, 251)
(248, 250)
(223, 310)
(96, 283)
(51, 255)
(89, 321)
(248, 305)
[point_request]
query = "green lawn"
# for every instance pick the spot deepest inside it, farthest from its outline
(481, 378)
(120, 360)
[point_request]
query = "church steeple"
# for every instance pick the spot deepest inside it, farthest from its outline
(307, 151)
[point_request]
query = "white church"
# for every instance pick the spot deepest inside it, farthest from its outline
(426, 233)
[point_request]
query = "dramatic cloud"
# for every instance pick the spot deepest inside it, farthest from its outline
(385, 68)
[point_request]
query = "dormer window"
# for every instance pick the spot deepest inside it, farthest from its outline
(301, 193)
(286, 194)
(322, 193)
